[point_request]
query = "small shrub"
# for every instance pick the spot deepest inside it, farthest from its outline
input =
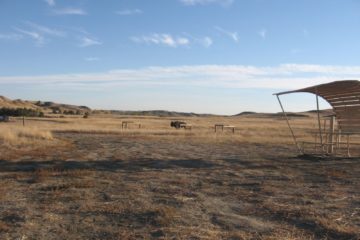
(19, 112)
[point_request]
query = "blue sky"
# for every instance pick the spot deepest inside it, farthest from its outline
(207, 56)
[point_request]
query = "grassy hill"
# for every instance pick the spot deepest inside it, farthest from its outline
(42, 106)
(8, 103)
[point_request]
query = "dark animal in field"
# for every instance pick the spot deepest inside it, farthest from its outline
(177, 124)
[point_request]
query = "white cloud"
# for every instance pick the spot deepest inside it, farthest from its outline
(46, 30)
(51, 3)
(70, 11)
(87, 42)
(37, 37)
(233, 35)
(129, 12)
(183, 41)
(205, 2)
(206, 42)
(285, 76)
(162, 39)
(262, 33)
(91, 59)
(203, 41)
(40, 34)
(10, 36)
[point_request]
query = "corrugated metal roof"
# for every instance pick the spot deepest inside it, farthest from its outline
(344, 97)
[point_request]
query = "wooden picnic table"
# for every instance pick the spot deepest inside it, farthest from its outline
(222, 126)
(186, 126)
(124, 124)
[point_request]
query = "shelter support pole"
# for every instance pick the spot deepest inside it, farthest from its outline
(319, 122)
(331, 134)
(339, 138)
(288, 123)
(348, 145)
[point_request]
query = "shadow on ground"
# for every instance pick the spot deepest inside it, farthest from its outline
(105, 165)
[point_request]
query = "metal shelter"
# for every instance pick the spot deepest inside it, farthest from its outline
(344, 97)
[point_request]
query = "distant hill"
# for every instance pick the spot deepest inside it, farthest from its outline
(324, 112)
(62, 107)
(73, 109)
(42, 106)
(267, 115)
(159, 113)
(246, 113)
(8, 103)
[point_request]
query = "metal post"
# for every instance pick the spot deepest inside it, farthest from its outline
(339, 139)
(288, 123)
(319, 122)
(331, 134)
(348, 145)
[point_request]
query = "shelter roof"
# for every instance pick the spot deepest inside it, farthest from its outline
(344, 97)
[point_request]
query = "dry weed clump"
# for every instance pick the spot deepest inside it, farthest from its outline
(18, 135)
(277, 234)
(4, 227)
(40, 175)
(315, 223)
(336, 228)
(2, 192)
(43, 173)
(165, 215)
(292, 234)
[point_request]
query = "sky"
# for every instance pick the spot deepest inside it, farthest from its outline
(205, 56)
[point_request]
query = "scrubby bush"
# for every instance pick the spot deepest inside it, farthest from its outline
(56, 110)
(69, 112)
(18, 112)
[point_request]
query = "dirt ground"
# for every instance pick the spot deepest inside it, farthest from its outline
(110, 186)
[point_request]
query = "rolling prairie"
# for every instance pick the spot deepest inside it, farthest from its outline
(76, 178)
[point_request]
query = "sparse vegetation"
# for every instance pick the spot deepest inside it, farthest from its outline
(89, 179)
(17, 112)
(17, 136)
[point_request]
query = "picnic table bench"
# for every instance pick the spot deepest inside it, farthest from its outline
(125, 124)
(222, 126)
(186, 126)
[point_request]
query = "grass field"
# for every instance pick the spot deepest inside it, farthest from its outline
(75, 178)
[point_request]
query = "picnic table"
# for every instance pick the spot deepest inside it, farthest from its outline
(125, 124)
(186, 126)
(222, 126)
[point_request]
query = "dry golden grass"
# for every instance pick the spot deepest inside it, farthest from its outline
(248, 129)
(17, 135)
(75, 178)
(251, 129)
